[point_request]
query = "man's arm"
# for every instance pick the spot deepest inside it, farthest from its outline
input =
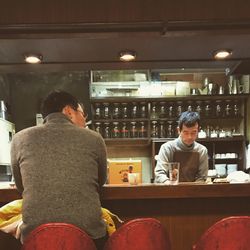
(102, 152)
(160, 171)
(203, 166)
(15, 168)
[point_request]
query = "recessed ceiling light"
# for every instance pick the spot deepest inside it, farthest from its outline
(32, 58)
(222, 54)
(127, 56)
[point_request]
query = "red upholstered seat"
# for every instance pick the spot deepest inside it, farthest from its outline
(231, 233)
(139, 234)
(58, 236)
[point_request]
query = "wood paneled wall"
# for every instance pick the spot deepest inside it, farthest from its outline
(78, 11)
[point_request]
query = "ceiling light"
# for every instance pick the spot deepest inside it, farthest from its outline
(222, 54)
(33, 58)
(127, 56)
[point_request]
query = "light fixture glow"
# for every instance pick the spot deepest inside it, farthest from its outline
(222, 54)
(33, 58)
(127, 56)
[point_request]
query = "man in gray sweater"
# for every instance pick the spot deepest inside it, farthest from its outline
(59, 168)
(193, 156)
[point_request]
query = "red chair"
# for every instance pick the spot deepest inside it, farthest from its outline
(231, 233)
(139, 234)
(58, 236)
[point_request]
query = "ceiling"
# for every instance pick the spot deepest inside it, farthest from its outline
(97, 47)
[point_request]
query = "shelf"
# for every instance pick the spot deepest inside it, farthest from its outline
(128, 141)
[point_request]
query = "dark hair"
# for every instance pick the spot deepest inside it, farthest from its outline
(56, 101)
(189, 119)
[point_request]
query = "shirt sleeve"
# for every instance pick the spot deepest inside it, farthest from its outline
(164, 156)
(203, 166)
(15, 167)
(102, 171)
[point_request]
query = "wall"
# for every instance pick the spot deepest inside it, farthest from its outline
(25, 92)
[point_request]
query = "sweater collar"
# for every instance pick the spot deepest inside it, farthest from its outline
(56, 117)
(183, 146)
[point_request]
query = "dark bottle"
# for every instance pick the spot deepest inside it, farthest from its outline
(97, 111)
(124, 130)
(115, 130)
(134, 110)
(133, 130)
(170, 131)
(143, 110)
(106, 130)
(154, 111)
(162, 111)
(116, 111)
(98, 127)
(198, 108)
(124, 110)
(170, 111)
(218, 109)
(228, 109)
(162, 133)
(106, 111)
(236, 110)
(207, 109)
(142, 130)
(179, 108)
(154, 129)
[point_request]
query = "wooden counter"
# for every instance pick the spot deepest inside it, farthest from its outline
(185, 210)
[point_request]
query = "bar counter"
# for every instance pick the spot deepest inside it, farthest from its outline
(185, 210)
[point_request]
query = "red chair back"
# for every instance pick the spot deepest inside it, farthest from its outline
(58, 236)
(231, 233)
(139, 234)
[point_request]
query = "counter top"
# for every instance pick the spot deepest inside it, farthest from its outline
(154, 191)
(183, 190)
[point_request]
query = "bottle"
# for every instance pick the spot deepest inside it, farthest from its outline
(97, 111)
(153, 111)
(134, 110)
(133, 130)
(142, 130)
(162, 113)
(143, 110)
(124, 110)
(154, 129)
(106, 130)
(162, 133)
(115, 130)
(124, 130)
(106, 111)
(116, 111)
(98, 127)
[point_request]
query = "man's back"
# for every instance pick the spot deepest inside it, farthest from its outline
(62, 167)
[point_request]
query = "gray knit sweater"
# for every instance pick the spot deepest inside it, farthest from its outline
(166, 154)
(59, 168)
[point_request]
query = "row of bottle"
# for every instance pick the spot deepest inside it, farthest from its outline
(136, 129)
(219, 108)
(120, 110)
(122, 129)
